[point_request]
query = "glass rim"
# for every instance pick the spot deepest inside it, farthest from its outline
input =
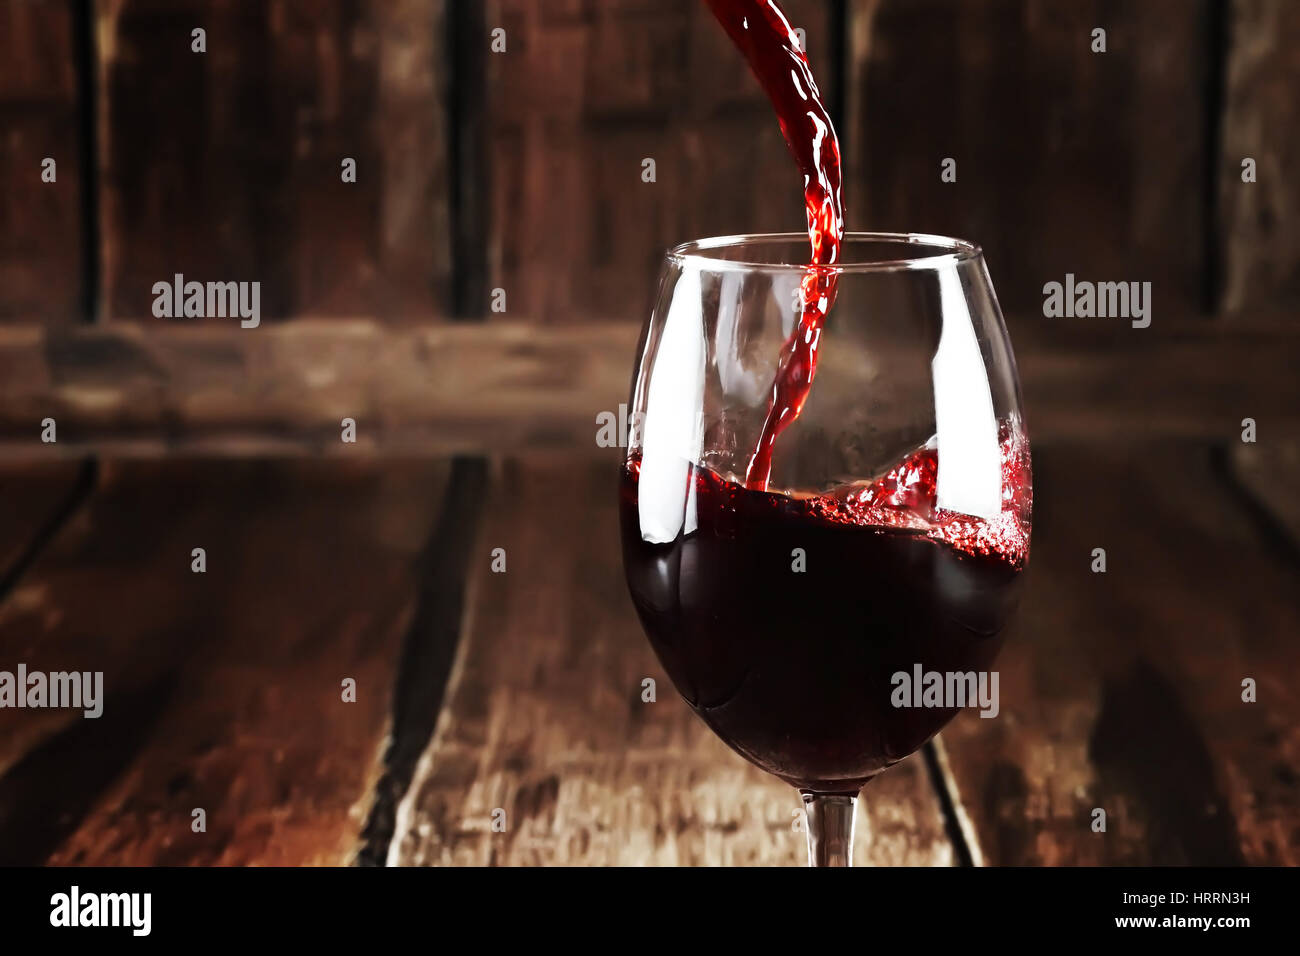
(942, 251)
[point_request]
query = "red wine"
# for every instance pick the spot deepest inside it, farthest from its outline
(764, 35)
(793, 668)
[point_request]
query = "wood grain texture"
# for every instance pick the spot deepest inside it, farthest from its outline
(1123, 690)
(1260, 239)
(1067, 160)
(40, 223)
(226, 165)
(222, 690)
(497, 387)
(583, 94)
(544, 719)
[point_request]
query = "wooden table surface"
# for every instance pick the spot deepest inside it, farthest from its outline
(498, 717)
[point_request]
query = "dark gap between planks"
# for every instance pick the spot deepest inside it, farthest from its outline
(1218, 42)
(945, 789)
(467, 155)
(87, 476)
(38, 810)
(428, 649)
(87, 64)
(842, 35)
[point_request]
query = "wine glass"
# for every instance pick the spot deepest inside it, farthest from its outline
(806, 621)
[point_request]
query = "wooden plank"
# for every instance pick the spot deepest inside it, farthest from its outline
(1260, 236)
(498, 387)
(1123, 690)
(221, 690)
(231, 169)
(40, 223)
(1067, 160)
(583, 94)
(545, 720)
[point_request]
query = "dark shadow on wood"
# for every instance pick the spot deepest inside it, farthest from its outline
(46, 795)
(1147, 747)
(467, 42)
(80, 491)
(87, 66)
(1217, 43)
(837, 95)
(428, 650)
(1272, 532)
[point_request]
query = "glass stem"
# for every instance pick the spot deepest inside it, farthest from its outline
(830, 828)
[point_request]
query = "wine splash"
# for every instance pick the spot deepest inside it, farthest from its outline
(793, 670)
(771, 46)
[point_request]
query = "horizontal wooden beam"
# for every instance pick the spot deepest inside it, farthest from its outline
(133, 389)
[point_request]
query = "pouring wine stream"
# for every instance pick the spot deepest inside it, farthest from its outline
(771, 46)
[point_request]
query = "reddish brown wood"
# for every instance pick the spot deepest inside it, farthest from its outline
(229, 169)
(545, 721)
(1067, 160)
(40, 223)
(583, 94)
(222, 689)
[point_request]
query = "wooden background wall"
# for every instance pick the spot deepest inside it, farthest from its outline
(521, 171)
(523, 167)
